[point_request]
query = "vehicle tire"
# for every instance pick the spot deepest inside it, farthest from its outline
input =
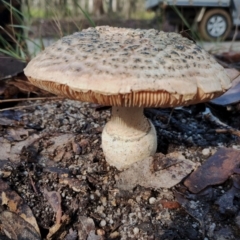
(215, 25)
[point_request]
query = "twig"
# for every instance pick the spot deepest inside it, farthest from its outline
(32, 183)
(21, 107)
(207, 114)
(228, 130)
(30, 99)
(169, 118)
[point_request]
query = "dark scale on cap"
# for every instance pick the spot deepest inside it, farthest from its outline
(137, 60)
(180, 47)
(189, 57)
(198, 49)
(70, 51)
(175, 53)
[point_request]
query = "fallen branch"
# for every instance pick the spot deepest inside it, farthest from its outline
(228, 130)
(30, 99)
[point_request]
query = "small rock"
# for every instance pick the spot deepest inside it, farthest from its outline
(152, 200)
(136, 230)
(206, 152)
(114, 235)
(103, 223)
(100, 232)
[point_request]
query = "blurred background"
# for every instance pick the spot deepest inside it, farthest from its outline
(28, 26)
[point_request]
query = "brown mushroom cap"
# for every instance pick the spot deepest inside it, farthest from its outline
(127, 67)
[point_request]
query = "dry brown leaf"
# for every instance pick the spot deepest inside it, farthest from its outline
(72, 235)
(140, 173)
(58, 146)
(57, 226)
(54, 199)
(12, 152)
(232, 73)
(5, 168)
(8, 122)
(230, 57)
(5, 151)
(232, 96)
(93, 236)
(85, 226)
(216, 170)
(195, 208)
(17, 134)
(15, 204)
(24, 86)
(15, 227)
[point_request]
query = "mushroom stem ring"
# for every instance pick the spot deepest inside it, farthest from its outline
(128, 137)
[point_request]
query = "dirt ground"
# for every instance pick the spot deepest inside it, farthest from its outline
(56, 166)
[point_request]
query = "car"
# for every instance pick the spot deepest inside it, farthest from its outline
(212, 19)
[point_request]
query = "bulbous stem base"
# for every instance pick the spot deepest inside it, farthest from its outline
(128, 137)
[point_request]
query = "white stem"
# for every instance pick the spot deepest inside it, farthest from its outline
(128, 137)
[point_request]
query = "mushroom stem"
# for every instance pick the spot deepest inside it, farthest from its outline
(128, 137)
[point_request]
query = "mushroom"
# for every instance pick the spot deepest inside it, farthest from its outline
(128, 69)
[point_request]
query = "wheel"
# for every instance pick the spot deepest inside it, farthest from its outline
(215, 25)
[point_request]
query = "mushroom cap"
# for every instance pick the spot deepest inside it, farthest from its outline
(128, 67)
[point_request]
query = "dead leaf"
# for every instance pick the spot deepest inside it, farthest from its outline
(76, 147)
(2, 88)
(5, 168)
(196, 209)
(13, 152)
(170, 204)
(140, 173)
(16, 227)
(232, 73)
(232, 96)
(24, 86)
(54, 199)
(224, 233)
(8, 122)
(225, 202)
(53, 231)
(85, 226)
(72, 235)
(15, 204)
(230, 57)
(58, 147)
(17, 134)
(5, 149)
(216, 170)
(93, 236)
(10, 66)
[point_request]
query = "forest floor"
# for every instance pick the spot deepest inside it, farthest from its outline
(55, 182)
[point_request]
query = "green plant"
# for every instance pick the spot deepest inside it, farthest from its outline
(187, 24)
(12, 38)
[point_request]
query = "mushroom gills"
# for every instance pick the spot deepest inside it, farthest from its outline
(128, 137)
